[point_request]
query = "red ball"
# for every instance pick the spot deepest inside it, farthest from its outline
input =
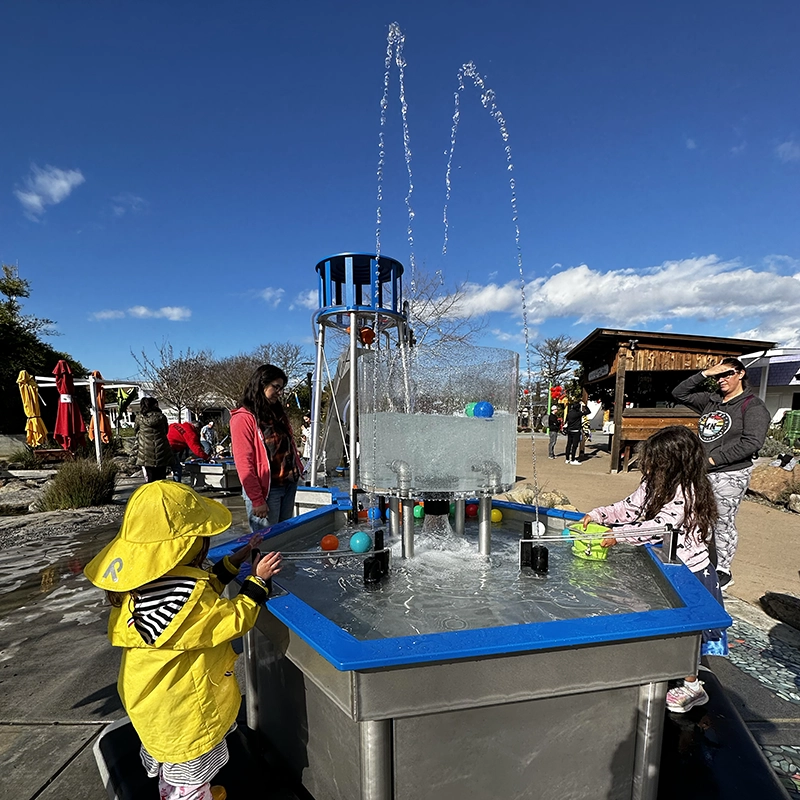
(472, 509)
(329, 542)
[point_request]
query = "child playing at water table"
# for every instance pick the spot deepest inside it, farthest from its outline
(176, 677)
(674, 490)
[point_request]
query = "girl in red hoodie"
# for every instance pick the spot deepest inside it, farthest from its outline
(264, 451)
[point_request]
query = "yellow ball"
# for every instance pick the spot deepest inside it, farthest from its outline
(497, 515)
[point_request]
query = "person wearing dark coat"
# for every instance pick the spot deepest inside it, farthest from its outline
(573, 427)
(151, 446)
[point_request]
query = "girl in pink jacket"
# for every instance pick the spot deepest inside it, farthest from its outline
(675, 491)
(264, 451)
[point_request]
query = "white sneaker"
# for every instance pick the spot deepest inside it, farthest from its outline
(574, 462)
(686, 696)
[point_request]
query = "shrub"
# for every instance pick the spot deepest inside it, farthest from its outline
(79, 484)
(25, 457)
(774, 445)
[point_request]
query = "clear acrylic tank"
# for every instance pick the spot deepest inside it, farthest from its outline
(437, 420)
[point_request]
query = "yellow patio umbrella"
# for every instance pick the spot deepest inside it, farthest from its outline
(35, 430)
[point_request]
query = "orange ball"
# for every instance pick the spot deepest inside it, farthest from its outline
(329, 542)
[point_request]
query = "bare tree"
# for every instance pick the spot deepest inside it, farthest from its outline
(228, 377)
(181, 380)
(438, 316)
(552, 358)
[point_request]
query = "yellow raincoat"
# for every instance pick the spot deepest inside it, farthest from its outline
(181, 693)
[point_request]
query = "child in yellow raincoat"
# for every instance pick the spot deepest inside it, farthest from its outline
(176, 678)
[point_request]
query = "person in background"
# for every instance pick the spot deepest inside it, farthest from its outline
(674, 490)
(554, 426)
(732, 427)
(574, 426)
(176, 678)
(184, 438)
(150, 446)
(208, 437)
(264, 451)
(305, 439)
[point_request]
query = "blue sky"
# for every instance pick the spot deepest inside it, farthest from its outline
(174, 170)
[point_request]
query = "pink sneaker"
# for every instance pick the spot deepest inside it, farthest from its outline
(686, 696)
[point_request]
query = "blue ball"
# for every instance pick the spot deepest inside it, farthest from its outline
(374, 513)
(484, 409)
(360, 542)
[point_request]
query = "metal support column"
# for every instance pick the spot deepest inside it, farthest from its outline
(485, 525)
(408, 527)
(394, 517)
(376, 759)
(317, 403)
(649, 731)
(460, 516)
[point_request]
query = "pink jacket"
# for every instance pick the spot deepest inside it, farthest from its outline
(692, 550)
(250, 456)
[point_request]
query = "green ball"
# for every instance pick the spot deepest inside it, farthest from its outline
(452, 509)
(419, 512)
(469, 410)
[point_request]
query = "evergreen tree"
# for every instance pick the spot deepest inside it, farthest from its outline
(21, 347)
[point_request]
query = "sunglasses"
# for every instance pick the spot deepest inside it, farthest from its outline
(727, 374)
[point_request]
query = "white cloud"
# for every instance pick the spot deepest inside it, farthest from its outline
(101, 315)
(738, 149)
(172, 313)
(788, 151)
(272, 296)
(664, 297)
(46, 187)
(691, 144)
(777, 331)
(127, 203)
(306, 300)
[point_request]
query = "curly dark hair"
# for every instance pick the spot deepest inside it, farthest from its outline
(674, 458)
(253, 399)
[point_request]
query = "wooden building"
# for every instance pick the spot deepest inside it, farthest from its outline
(633, 373)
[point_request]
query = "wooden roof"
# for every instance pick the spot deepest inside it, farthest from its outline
(602, 344)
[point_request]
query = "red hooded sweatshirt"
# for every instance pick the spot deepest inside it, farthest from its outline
(185, 434)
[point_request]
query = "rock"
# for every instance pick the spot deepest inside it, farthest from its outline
(772, 483)
(17, 497)
(783, 607)
(526, 495)
(794, 503)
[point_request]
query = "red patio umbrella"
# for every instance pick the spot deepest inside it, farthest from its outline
(70, 430)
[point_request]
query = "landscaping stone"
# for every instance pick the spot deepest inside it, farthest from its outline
(794, 503)
(772, 483)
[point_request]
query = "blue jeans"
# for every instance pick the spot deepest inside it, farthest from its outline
(280, 503)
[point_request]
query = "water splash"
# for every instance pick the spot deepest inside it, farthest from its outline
(394, 52)
(488, 100)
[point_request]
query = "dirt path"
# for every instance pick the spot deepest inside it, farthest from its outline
(768, 556)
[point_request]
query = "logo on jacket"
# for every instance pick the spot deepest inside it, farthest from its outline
(713, 425)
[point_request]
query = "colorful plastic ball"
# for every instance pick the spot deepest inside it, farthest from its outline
(497, 515)
(419, 512)
(329, 542)
(452, 509)
(469, 409)
(360, 542)
(472, 509)
(374, 513)
(483, 409)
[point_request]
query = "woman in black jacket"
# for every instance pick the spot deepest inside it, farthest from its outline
(573, 427)
(151, 447)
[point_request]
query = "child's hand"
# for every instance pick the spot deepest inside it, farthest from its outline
(267, 566)
(238, 557)
(585, 521)
(609, 542)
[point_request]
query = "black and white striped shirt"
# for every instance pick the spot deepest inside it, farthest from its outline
(156, 603)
